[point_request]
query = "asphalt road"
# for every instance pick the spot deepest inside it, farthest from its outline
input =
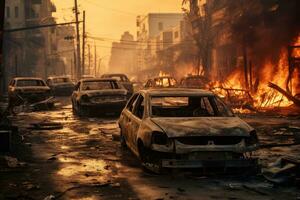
(83, 160)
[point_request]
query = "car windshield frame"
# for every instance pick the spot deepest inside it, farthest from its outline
(65, 80)
(40, 83)
(113, 85)
(213, 103)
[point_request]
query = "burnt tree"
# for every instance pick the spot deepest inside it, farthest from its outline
(203, 34)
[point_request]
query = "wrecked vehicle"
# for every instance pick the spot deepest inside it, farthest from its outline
(28, 90)
(60, 85)
(235, 98)
(123, 79)
(161, 82)
(185, 128)
(98, 96)
(194, 81)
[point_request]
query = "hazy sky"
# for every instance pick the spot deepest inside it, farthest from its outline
(110, 18)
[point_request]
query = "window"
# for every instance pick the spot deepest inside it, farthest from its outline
(7, 12)
(99, 85)
(176, 34)
(25, 83)
(188, 106)
(160, 26)
(16, 12)
(131, 102)
(139, 107)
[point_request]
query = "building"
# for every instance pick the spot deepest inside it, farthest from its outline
(27, 52)
(123, 57)
(148, 28)
(64, 56)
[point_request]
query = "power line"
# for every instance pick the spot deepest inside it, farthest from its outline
(129, 42)
(108, 8)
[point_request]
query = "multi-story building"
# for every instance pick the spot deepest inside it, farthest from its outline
(27, 52)
(123, 57)
(148, 28)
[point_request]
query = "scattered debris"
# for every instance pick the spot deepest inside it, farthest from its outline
(50, 197)
(284, 170)
(13, 162)
(46, 126)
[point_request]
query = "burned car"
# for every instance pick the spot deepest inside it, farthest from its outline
(194, 81)
(123, 79)
(96, 95)
(60, 85)
(28, 90)
(161, 82)
(185, 128)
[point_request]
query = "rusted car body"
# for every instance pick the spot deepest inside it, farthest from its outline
(161, 82)
(93, 96)
(28, 90)
(123, 79)
(60, 85)
(185, 128)
(194, 81)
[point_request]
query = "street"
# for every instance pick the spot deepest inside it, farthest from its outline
(84, 160)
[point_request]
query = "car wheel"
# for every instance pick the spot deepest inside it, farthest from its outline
(149, 160)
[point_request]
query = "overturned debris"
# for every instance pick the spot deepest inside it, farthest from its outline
(284, 170)
(288, 95)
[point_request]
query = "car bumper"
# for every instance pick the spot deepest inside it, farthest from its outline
(175, 163)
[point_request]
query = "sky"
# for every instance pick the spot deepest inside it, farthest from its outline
(111, 18)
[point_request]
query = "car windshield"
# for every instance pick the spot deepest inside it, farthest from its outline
(25, 83)
(119, 78)
(61, 80)
(188, 106)
(99, 85)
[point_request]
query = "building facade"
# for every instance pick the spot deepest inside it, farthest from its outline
(29, 52)
(123, 57)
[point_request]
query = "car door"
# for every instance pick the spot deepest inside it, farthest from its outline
(125, 118)
(137, 117)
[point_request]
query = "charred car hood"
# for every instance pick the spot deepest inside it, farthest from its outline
(204, 126)
(93, 93)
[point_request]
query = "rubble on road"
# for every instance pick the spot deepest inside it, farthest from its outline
(46, 126)
(13, 162)
(284, 170)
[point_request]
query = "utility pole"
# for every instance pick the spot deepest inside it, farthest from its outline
(95, 61)
(83, 45)
(78, 66)
(89, 49)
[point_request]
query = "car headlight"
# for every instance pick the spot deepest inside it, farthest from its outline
(253, 139)
(159, 138)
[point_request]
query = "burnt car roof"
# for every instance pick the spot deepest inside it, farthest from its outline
(53, 77)
(98, 79)
(28, 78)
(114, 75)
(177, 92)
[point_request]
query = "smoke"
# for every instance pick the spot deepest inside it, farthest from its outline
(264, 26)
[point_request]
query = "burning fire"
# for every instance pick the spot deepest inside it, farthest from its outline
(163, 74)
(264, 96)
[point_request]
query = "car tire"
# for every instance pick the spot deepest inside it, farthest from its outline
(147, 158)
